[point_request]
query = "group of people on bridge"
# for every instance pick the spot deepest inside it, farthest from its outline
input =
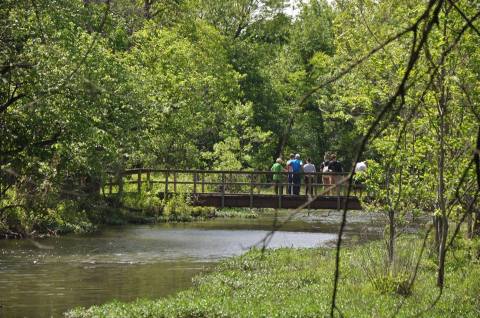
(295, 169)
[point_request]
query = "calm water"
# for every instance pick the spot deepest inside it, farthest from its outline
(47, 277)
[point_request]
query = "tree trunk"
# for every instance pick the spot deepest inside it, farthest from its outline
(442, 132)
(442, 227)
(436, 226)
(443, 224)
(391, 238)
(442, 252)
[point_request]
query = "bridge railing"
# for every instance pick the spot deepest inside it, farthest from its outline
(171, 181)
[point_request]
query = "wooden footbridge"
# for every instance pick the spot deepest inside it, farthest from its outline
(254, 189)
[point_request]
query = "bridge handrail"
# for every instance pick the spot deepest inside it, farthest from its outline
(241, 172)
(222, 181)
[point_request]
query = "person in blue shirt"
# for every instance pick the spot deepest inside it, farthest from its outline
(296, 168)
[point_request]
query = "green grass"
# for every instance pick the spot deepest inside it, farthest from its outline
(298, 283)
(244, 213)
(178, 208)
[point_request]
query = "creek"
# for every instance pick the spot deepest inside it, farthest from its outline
(45, 278)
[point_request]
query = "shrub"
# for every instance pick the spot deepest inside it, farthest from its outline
(390, 278)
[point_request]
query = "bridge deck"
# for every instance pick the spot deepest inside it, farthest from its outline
(272, 201)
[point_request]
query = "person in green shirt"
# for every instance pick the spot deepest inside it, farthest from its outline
(277, 168)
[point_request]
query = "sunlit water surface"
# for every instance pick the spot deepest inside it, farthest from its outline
(47, 277)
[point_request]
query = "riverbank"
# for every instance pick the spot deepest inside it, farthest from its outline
(87, 216)
(298, 283)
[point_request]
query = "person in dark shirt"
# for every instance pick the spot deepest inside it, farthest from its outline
(335, 167)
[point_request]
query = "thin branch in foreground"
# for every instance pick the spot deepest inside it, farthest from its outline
(401, 89)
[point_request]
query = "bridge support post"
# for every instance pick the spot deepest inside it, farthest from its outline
(175, 182)
(251, 190)
(166, 185)
(139, 182)
(258, 183)
(223, 190)
(194, 182)
(149, 182)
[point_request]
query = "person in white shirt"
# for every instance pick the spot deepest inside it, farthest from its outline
(309, 170)
(361, 166)
(359, 178)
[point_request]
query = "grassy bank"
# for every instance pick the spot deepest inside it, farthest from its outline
(298, 283)
(178, 208)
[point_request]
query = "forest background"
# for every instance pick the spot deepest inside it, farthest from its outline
(94, 87)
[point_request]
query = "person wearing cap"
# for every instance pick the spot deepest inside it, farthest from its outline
(296, 165)
(277, 170)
